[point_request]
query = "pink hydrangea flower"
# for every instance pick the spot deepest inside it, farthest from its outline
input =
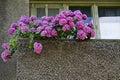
(84, 16)
(33, 29)
(38, 22)
(14, 25)
(66, 27)
(45, 30)
(64, 13)
(45, 22)
(77, 12)
(87, 30)
(24, 19)
(80, 25)
(48, 34)
(70, 13)
(11, 30)
(5, 46)
(61, 16)
(21, 23)
(53, 22)
(81, 34)
(67, 13)
(48, 29)
(43, 33)
(71, 24)
(78, 17)
(4, 55)
(57, 19)
(40, 28)
(38, 47)
(62, 21)
(90, 24)
(92, 33)
(54, 32)
(44, 18)
(32, 18)
(50, 18)
(70, 19)
(24, 29)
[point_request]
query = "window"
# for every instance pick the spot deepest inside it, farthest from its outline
(104, 15)
(53, 11)
(45, 9)
(40, 12)
(109, 19)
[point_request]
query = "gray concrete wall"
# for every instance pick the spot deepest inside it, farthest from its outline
(70, 60)
(10, 11)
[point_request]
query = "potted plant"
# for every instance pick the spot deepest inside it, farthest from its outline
(65, 25)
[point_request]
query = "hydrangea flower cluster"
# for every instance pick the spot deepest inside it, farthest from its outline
(65, 25)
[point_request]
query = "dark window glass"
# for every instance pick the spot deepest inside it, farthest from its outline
(40, 12)
(53, 11)
(109, 11)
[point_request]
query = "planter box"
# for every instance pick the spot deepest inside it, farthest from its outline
(69, 60)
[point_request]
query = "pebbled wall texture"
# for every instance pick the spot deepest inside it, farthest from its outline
(10, 11)
(69, 60)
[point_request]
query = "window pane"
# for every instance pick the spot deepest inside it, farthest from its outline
(84, 9)
(109, 18)
(40, 12)
(53, 11)
(109, 11)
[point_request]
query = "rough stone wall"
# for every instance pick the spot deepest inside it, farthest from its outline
(10, 11)
(70, 60)
(2, 20)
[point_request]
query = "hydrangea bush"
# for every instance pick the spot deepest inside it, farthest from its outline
(65, 25)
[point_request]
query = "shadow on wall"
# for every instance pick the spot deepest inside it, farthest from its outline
(10, 11)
